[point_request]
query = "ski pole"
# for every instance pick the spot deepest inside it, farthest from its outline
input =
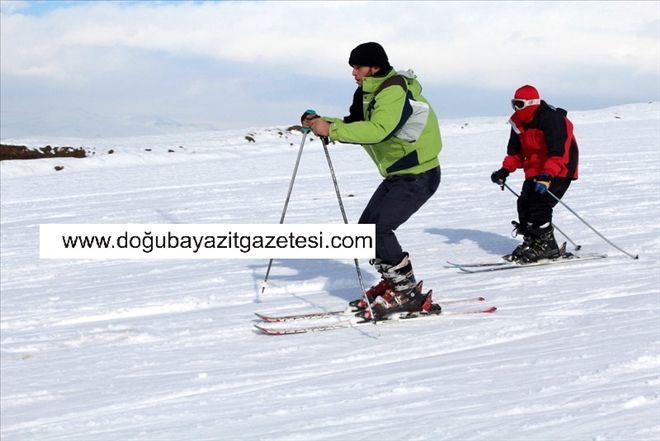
(636, 256)
(577, 247)
(324, 141)
(305, 131)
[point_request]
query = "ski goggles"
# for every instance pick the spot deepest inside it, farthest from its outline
(519, 104)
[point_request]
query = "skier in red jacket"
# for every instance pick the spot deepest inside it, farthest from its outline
(543, 145)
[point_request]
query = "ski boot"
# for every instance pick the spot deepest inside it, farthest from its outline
(372, 293)
(543, 246)
(395, 278)
(518, 229)
(376, 290)
(409, 303)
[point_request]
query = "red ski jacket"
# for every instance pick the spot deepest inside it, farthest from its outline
(545, 145)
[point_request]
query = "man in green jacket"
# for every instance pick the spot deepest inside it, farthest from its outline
(399, 130)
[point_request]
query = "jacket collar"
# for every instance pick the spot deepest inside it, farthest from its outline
(370, 84)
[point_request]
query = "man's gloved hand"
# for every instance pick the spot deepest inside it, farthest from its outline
(542, 183)
(499, 176)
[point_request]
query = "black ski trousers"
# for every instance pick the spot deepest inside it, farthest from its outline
(536, 208)
(394, 201)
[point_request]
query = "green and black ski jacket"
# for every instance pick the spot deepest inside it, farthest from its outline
(399, 130)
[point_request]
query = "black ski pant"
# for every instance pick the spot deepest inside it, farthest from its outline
(536, 208)
(394, 201)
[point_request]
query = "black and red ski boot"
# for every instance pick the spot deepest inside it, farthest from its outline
(372, 293)
(398, 282)
(411, 303)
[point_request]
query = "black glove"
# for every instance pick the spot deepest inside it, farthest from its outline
(499, 176)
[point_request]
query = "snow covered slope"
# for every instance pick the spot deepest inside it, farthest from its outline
(165, 350)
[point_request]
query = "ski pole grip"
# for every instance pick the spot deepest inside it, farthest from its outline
(308, 112)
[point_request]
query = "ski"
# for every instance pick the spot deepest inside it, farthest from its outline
(353, 323)
(344, 312)
(306, 316)
(475, 265)
(485, 267)
(504, 261)
(300, 330)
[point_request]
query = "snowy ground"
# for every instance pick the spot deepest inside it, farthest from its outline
(165, 350)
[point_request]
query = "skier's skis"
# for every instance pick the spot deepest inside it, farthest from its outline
(301, 330)
(482, 268)
(476, 264)
(345, 312)
(265, 329)
(306, 316)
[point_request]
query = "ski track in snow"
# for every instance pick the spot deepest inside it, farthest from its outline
(165, 350)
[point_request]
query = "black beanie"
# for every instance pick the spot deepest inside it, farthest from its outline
(369, 54)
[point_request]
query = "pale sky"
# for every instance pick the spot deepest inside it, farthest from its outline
(103, 68)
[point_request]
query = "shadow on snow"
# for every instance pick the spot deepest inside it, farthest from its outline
(490, 242)
(339, 278)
